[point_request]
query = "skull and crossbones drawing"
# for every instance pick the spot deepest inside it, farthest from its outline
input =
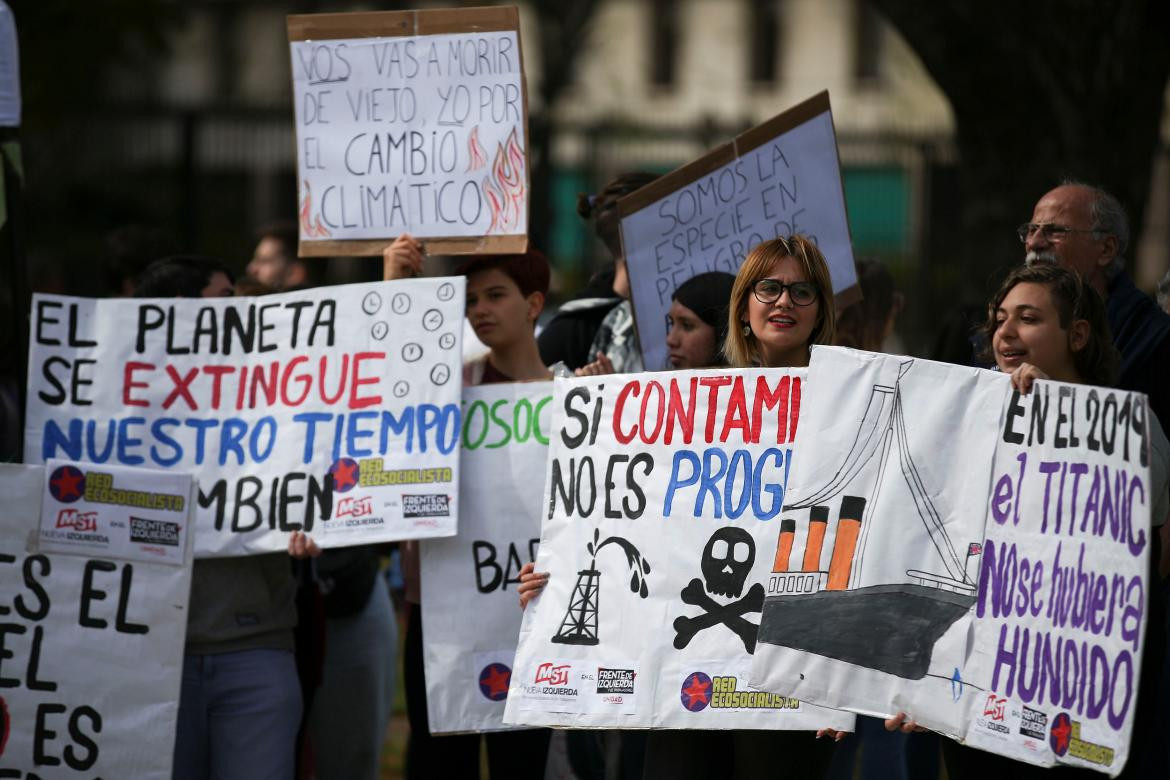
(727, 561)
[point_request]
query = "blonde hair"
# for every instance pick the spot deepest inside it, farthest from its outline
(742, 350)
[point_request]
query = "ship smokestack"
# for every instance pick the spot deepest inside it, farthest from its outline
(845, 543)
(784, 545)
(818, 521)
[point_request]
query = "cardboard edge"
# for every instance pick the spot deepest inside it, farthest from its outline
(783, 122)
(453, 245)
(675, 180)
(379, 24)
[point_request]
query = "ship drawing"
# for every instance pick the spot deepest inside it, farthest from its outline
(893, 626)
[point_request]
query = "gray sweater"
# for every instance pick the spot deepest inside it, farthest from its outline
(242, 603)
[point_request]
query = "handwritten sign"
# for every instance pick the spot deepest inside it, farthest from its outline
(996, 543)
(663, 498)
(92, 651)
(779, 178)
(332, 410)
(471, 578)
(410, 122)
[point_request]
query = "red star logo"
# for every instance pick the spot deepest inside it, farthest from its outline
(345, 474)
(67, 484)
(495, 682)
(698, 691)
(1061, 731)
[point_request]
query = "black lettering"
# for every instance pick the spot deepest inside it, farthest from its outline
(81, 761)
(484, 555)
(121, 624)
(90, 593)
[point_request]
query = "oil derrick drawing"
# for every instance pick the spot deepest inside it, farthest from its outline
(579, 626)
(894, 625)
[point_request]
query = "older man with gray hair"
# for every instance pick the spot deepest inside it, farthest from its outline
(1085, 228)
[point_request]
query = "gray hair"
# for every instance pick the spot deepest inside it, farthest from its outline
(1109, 219)
(1164, 292)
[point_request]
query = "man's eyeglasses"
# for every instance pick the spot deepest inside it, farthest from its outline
(770, 290)
(1050, 232)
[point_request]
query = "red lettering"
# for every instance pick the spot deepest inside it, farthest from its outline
(714, 383)
(340, 382)
(765, 397)
(686, 419)
(217, 373)
(634, 388)
(652, 386)
(357, 380)
(129, 384)
(243, 386)
(267, 384)
(181, 385)
(737, 414)
(305, 380)
(793, 410)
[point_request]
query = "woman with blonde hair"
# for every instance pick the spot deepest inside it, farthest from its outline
(781, 304)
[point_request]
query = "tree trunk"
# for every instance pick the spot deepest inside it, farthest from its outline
(1041, 91)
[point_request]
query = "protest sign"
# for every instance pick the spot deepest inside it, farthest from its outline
(777, 179)
(967, 555)
(410, 122)
(332, 410)
(663, 494)
(116, 512)
(470, 609)
(91, 649)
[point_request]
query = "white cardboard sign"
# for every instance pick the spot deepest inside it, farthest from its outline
(662, 499)
(409, 122)
(972, 557)
(333, 410)
(92, 650)
(470, 580)
(777, 179)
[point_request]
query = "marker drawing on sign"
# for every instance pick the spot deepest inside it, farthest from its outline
(898, 623)
(579, 626)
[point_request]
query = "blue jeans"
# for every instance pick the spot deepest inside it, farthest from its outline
(238, 716)
(351, 709)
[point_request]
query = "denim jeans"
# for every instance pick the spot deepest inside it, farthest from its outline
(238, 716)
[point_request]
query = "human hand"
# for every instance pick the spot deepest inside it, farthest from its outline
(603, 365)
(301, 546)
(901, 722)
(402, 259)
(1024, 375)
(532, 583)
(837, 736)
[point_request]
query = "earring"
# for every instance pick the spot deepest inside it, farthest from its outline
(747, 329)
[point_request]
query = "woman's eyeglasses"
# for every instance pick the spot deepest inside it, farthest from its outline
(770, 290)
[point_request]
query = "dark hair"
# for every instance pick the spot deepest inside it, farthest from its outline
(602, 207)
(708, 295)
(1097, 362)
(130, 249)
(180, 276)
(862, 325)
(529, 271)
(283, 230)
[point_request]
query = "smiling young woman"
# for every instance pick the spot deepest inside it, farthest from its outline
(781, 304)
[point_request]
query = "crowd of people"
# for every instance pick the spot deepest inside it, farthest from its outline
(291, 660)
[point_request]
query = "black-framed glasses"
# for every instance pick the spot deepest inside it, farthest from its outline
(770, 290)
(1050, 231)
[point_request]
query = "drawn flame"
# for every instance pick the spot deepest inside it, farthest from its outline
(506, 187)
(477, 156)
(311, 226)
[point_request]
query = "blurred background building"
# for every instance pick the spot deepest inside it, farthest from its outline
(179, 116)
